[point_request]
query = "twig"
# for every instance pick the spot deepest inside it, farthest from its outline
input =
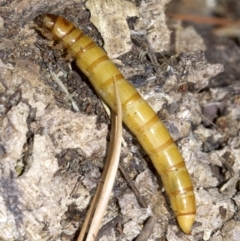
(111, 224)
(104, 189)
(204, 19)
(139, 197)
(147, 230)
(64, 89)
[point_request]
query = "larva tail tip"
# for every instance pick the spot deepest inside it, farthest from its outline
(185, 222)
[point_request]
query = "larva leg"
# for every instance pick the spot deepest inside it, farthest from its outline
(137, 115)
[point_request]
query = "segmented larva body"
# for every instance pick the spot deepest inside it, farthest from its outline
(137, 115)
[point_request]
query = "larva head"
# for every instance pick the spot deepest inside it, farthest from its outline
(49, 20)
(58, 26)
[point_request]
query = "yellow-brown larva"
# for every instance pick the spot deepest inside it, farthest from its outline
(137, 115)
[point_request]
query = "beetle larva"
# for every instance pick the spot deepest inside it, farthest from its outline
(137, 115)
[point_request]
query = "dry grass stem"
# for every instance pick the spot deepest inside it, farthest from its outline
(101, 198)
